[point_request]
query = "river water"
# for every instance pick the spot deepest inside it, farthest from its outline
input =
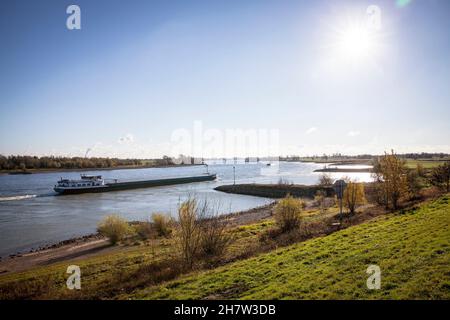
(32, 215)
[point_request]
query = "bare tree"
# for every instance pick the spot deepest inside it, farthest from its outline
(354, 196)
(325, 180)
(201, 231)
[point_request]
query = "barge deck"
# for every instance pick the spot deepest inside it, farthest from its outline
(127, 185)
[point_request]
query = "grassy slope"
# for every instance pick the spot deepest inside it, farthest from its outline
(411, 248)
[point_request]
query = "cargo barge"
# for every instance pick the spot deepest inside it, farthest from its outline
(94, 184)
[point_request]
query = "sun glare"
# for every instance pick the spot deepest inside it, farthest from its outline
(353, 39)
(354, 43)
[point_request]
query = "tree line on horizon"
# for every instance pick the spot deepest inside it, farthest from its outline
(18, 162)
(51, 162)
(335, 156)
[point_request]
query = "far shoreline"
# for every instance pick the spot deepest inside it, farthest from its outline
(53, 170)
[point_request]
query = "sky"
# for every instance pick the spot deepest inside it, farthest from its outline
(220, 78)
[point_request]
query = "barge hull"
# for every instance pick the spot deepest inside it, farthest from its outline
(117, 186)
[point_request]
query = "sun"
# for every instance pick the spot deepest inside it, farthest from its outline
(355, 43)
(352, 42)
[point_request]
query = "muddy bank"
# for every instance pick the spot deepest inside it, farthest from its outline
(350, 170)
(81, 247)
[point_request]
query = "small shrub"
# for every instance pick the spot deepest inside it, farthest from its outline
(287, 213)
(269, 235)
(414, 183)
(440, 177)
(319, 198)
(200, 232)
(214, 237)
(145, 230)
(114, 228)
(162, 224)
(325, 180)
(188, 232)
(421, 172)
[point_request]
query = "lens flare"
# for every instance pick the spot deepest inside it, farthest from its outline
(402, 3)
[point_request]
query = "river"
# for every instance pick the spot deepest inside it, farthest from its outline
(32, 215)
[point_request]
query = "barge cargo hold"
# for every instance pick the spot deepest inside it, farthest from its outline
(94, 184)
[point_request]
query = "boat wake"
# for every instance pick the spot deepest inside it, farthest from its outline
(14, 198)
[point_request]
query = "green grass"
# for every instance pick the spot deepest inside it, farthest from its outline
(412, 249)
(426, 164)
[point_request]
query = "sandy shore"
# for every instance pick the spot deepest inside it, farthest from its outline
(95, 244)
(69, 249)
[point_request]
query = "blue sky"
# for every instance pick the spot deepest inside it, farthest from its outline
(138, 71)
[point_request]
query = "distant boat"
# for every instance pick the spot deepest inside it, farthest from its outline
(94, 184)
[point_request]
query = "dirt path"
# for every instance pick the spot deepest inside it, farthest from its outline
(77, 250)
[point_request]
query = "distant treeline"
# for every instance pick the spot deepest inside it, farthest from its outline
(338, 156)
(32, 162)
(424, 155)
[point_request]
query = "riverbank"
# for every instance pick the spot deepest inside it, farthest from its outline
(348, 170)
(95, 244)
(76, 248)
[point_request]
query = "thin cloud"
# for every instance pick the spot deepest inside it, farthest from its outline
(311, 130)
